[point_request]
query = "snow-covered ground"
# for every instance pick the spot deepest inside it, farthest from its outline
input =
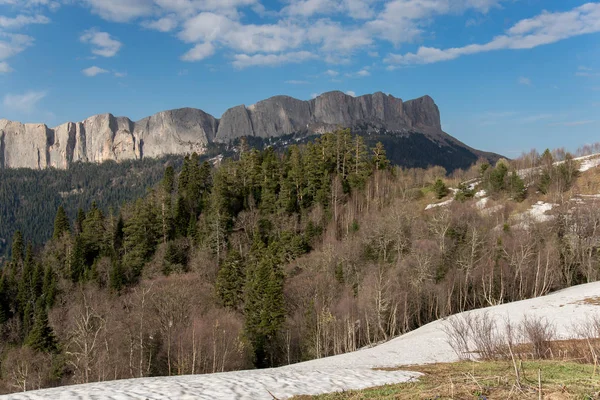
(565, 309)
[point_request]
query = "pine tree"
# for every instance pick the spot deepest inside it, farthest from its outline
(61, 223)
(440, 189)
(379, 157)
(41, 337)
(360, 170)
(516, 187)
(230, 280)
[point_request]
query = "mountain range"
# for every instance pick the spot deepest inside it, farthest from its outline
(182, 131)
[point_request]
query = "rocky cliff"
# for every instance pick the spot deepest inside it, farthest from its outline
(106, 137)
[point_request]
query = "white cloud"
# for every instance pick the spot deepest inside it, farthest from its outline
(271, 38)
(93, 71)
(24, 103)
(12, 44)
(245, 60)
(102, 43)
(524, 81)
(22, 20)
(5, 68)
(165, 24)
(351, 93)
(543, 29)
(120, 74)
(121, 10)
(296, 82)
(199, 52)
(331, 73)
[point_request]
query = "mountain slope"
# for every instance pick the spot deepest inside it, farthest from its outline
(564, 309)
(183, 131)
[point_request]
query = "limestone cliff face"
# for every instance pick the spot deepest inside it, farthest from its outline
(183, 131)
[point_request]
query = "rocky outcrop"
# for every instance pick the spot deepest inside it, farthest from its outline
(106, 137)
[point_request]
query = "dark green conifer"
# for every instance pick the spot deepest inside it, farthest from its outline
(61, 223)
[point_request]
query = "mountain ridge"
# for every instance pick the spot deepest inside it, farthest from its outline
(105, 136)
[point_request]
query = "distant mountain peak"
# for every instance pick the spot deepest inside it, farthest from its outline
(181, 131)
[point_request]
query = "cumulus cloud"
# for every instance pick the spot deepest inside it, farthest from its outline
(351, 93)
(93, 71)
(22, 20)
(102, 43)
(25, 102)
(165, 24)
(12, 44)
(245, 60)
(543, 29)
(199, 52)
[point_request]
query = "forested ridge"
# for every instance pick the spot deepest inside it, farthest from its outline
(276, 258)
(26, 192)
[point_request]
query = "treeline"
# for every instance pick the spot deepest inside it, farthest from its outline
(273, 259)
(29, 198)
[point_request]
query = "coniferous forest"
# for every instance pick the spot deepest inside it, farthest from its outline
(275, 258)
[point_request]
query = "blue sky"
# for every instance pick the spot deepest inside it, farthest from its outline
(508, 75)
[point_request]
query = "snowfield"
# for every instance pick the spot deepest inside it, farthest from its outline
(565, 309)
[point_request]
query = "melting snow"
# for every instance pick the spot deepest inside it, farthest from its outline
(442, 204)
(565, 309)
(481, 193)
(589, 163)
(482, 203)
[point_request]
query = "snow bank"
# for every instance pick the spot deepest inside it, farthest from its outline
(565, 309)
(589, 163)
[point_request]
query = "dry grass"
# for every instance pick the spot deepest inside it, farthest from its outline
(592, 301)
(486, 380)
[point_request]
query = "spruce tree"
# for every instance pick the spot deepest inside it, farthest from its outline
(230, 280)
(61, 223)
(41, 337)
(79, 220)
(264, 307)
(77, 260)
(17, 248)
(50, 286)
(4, 300)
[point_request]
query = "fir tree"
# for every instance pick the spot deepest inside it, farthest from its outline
(79, 220)
(17, 248)
(61, 223)
(264, 307)
(230, 280)
(77, 260)
(50, 286)
(41, 337)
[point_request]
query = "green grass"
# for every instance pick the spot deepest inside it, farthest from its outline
(486, 380)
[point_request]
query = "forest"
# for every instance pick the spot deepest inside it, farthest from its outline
(275, 258)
